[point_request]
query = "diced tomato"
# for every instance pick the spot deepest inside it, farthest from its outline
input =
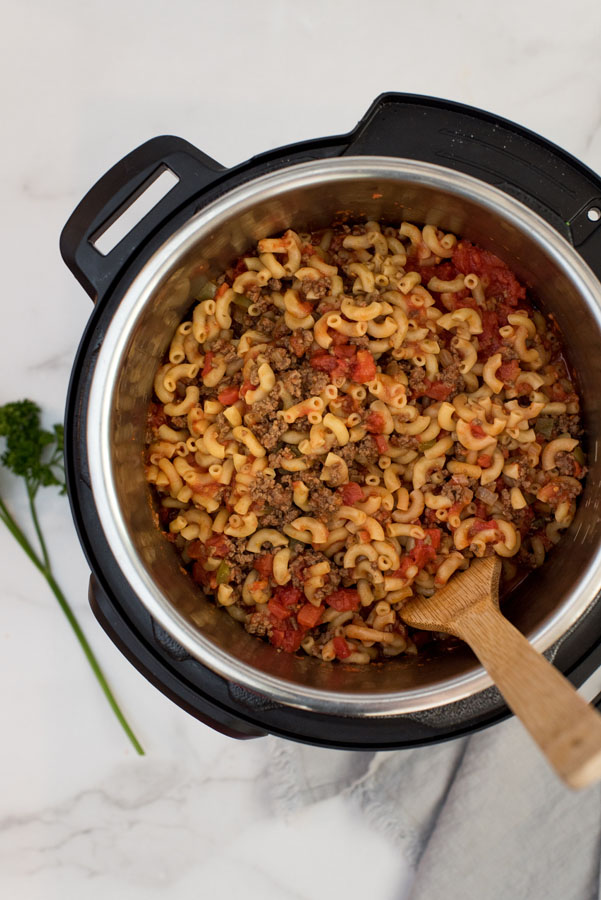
(341, 648)
(228, 395)
(218, 544)
(456, 508)
(436, 390)
(288, 596)
(286, 639)
(375, 423)
(343, 600)
(363, 369)
(508, 371)
(498, 280)
(481, 525)
(247, 386)
(309, 616)
(434, 536)
(490, 339)
(337, 338)
(481, 510)
(264, 564)
(196, 550)
(445, 271)
(484, 460)
(201, 576)
(477, 430)
(208, 363)
(344, 350)
(407, 563)
(277, 610)
(351, 493)
(381, 443)
(325, 362)
(422, 553)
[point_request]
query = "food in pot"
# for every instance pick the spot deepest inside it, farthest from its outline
(350, 416)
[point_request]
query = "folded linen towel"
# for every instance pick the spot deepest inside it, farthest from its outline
(479, 818)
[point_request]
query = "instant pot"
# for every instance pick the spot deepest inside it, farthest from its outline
(410, 157)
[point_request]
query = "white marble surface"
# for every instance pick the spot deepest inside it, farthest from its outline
(82, 83)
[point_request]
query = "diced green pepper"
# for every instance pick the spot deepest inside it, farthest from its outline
(223, 573)
(544, 426)
(207, 292)
(579, 455)
(427, 444)
(242, 301)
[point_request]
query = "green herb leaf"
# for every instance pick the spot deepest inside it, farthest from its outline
(36, 456)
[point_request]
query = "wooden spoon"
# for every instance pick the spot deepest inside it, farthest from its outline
(565, 727)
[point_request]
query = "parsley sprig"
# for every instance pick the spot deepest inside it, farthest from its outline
(36, 456)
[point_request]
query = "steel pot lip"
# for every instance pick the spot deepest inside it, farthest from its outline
(106, 372)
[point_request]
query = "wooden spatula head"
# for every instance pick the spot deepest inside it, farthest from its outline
(443, 610)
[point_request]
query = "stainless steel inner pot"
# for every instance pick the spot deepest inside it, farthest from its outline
(310, 195)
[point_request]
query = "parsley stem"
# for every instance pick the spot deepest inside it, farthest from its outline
(44, 567)
(31, 492)
(94, 664)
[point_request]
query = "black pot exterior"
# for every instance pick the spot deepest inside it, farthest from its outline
(542, 176)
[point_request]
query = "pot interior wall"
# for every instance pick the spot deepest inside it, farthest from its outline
(302, 208)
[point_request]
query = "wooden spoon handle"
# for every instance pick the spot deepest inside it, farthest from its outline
(565, 727)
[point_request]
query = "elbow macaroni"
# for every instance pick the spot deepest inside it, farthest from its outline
(347, 420)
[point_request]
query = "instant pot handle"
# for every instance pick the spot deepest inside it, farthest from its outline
(114, 193)
(168, 677)
(546, 178)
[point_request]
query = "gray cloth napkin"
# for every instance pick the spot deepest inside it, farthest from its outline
(480, 818)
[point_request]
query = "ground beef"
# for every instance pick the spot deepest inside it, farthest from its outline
(505, 501)
(569, 425)
(267, 492)
(292, 382)
(278, 357)
(274, 284)
(417, 377)
(277, 518)
(179, 421)
(528, 479)
(315, 290)
(323, 501)
(224, 428)
(508, 353)
(452, 377)
(313, 381)
(253, 292)
(224, 349)
(266, 408)
(266, 326)
(566, 464)
(259, 623)
(362, 342)
(300, 341)
(301, 562)
(269, 431)
(406, 441)
(363, 452)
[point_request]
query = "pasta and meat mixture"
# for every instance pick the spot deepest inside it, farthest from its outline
(350, 416)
